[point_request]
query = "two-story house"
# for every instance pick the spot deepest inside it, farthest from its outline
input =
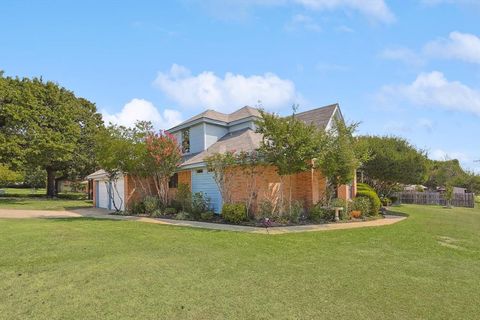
(214, 132)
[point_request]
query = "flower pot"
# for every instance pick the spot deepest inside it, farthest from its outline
(356, 214)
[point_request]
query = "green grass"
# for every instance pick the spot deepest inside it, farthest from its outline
(426, 267)
(24, 191)
(39, 193)
(42, 203)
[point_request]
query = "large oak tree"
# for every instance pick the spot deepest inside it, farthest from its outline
(45, 125)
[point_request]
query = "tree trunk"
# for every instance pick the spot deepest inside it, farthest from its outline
(51, 183)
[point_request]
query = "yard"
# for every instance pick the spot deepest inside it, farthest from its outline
(42, 203)
(426, 267)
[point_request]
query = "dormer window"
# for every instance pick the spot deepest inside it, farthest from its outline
(186, 140)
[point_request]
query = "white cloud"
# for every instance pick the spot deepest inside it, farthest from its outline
(300, 21)
(461, 46)
(235, 9)
(143, 110)
(433, 89)
(207, 90)
(376, 9)
(405, 55)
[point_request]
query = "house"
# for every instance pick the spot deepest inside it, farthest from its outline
(213, 132)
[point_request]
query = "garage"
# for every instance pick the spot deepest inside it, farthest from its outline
(107, 195)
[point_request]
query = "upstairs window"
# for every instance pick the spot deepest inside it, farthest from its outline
(173, 183)
(186, 141)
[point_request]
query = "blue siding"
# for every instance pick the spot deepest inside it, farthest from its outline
(204, 182)
(197, 138)
(213, 133)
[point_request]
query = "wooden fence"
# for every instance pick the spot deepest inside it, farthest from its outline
(436, 198)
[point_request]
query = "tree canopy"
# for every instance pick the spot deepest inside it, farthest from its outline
(45, 125)
(393, 160)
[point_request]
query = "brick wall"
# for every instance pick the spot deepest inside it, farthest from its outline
(307, 187)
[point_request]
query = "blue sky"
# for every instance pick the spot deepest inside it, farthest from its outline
(409, 68)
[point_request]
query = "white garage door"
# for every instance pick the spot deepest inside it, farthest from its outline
(105, 191)
(102, 194)
(202, 181)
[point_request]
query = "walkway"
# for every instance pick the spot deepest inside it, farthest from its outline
(103, 214)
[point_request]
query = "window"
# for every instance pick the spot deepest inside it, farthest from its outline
(173, 183)
(200, 171)
(186, 140)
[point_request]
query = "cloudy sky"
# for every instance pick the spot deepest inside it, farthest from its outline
(409, 68)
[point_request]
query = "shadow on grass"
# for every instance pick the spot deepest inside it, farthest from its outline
(391, 212)
(77, 219)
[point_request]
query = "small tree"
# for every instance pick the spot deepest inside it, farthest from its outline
(121, 150)
(221, 164)
(290, 145)
(164, 156)
(341, 157)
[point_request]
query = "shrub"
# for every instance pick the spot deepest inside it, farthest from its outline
(157, 213)
(151, 204)
(394, 199)
(234, 212)
(183, 198)
(319, 213)
(182, 215)
(170, 210)
(136, 208)
(206, 215)
(200, 204)
(375, 203)
(267, 209)
(362, 204)
(296, 211)
(385, 201)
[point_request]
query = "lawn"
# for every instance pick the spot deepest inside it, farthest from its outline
(42, 203)
(426, 267)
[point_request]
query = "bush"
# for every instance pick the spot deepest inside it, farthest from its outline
(200, 204)
(206, 215)
(394, 199)
(319, 213)
(266, 209)
(385, 201)
(296, 211)
(136, 208)
(156, 213)
(375, 202)
(170, 210)
(182, 215)
(234, 212)
(183, 197)
(151, 204)
(362, 204)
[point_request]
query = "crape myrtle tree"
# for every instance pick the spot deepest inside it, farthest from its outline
(140, 153)
(393, 161)
(289, 145)
(164, 156)
(45, 125)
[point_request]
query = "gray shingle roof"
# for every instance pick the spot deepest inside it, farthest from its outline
(319, 116)
(241, 113)
(247, 139)
(242, 140)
